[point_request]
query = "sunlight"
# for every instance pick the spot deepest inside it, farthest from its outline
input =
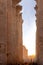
(32, 58)
(32, 43)
(29, 26)
(31, 51)
(29, 40)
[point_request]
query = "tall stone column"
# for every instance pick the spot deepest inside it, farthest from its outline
(3, 31)
(39, 38)
(19, 32)
(12, 33)
(20, 37)
(8, 32)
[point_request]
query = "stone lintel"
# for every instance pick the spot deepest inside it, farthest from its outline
(18, 8)
(15, 2)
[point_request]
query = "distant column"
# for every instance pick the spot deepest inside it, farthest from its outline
(19, 32)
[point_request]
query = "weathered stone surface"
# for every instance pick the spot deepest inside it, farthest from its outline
(25, 54)
(39, 37)
(3, 31)
(10, 33)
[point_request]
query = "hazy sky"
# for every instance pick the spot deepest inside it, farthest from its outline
(29, 25)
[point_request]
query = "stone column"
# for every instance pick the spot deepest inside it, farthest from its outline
(3, 31)
(12, 33)
(8, 32)
(19, 32)
(39, 37)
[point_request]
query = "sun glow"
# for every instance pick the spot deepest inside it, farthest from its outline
(29, 40)
(31, 51)
(32, 43)
(32, 58)
(29, 26)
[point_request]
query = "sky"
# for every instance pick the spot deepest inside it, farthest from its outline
(29, 25)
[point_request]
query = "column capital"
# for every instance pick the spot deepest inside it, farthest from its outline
(18, 8)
